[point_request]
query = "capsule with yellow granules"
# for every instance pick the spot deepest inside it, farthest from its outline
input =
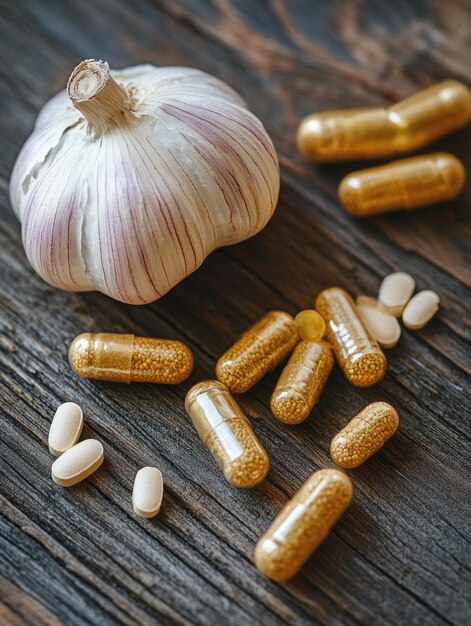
(258, 351)
(227, 433)
(364, 435)
(303, 524)
(358, 354)
(301, 383)
(126, 358)
(402, 185)
(371, 133)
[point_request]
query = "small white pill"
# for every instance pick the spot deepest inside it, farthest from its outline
(147, 492)
(395, 291)
(372, 303)
(77, 463)
(367, 301)
(421, 309)
(66, 428)
(384, 328)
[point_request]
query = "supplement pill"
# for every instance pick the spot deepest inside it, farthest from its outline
(395, 292)
(77, 463)
(368, 301)
(227, 433)
(384, 327)
(302, 381)
(402, 185)
(345, 135)
(127, 358)
(371, 133)
(430, 114)
(303, 524)
(66, 428)
(147, 492)
(373, 303)
(420, 310)
(258, 351)
(310, 325)
(358, 354)
(364, 435)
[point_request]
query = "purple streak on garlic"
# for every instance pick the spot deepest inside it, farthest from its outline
(131, 178)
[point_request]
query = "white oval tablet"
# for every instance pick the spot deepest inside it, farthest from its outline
(395, 291)
(384, 328)
(147, 492)
(77, 463)
(66, 428)
(372, 303)
(367, 301)
(421, 309)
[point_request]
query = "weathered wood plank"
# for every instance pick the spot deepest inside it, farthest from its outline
(400, 555)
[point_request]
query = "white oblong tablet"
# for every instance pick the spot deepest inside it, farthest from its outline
(372, 303)
(384, 328)
(367, 301)
(421, 309)
(395, 291)
(66, 428)
(147, 492)
(77, 463)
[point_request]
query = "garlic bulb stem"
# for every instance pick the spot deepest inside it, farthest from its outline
(97, 96)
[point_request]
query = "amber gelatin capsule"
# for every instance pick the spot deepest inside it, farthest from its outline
(303, 524)
(401, 185)
(302, 381)
(370, 133)
(345, 135)
(127, 358)
(358, 354)
(364, 435)
(227, 433)
(258, 351)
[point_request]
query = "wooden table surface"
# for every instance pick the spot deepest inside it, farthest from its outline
(401, 553)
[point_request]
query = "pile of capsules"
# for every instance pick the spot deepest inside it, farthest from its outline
(372, 133)
(122, 358)
(335, 330)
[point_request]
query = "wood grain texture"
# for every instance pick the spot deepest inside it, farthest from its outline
(401, 553)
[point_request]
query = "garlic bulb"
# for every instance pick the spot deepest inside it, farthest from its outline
(131, 178)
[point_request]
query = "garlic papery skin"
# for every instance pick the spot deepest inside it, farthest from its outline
(132, 177)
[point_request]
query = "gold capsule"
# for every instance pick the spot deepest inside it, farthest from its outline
(258, 351)
(127, 358)
(371, 133)
(364, 435)
(430, 114)
(303, 524)
(227, 433)
(402, 185)
(345, 135)
(302, 381)
(358, 354)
